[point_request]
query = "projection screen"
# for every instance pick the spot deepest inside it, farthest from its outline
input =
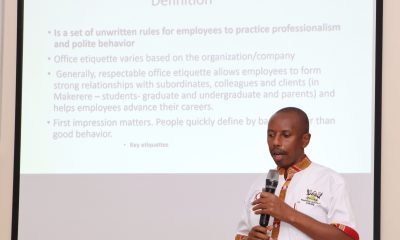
(147, 119)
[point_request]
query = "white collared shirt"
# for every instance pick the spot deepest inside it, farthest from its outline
(316, 191)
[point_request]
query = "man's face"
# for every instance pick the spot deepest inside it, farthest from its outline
(287, 139)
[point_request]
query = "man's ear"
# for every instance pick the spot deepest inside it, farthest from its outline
(306, 139)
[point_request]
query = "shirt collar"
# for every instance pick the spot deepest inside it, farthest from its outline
(303, 164)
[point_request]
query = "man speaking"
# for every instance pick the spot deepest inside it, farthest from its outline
(310, 201)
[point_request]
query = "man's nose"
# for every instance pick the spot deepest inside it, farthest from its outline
(276, 141)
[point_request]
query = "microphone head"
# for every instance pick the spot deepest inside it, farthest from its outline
(272, 178)
(273, 175)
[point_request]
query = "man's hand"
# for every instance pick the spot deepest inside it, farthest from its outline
(270, 204)
(260, 233)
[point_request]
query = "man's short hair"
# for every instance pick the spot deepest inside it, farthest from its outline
(300, 113)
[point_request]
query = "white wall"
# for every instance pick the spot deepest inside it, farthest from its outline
(390, 128)
(390, 121)
(7, 116)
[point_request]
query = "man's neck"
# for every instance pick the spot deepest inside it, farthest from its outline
(297, 167)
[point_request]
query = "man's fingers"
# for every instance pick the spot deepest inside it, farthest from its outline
(269, 228)
(264, 197)
(263, 211)
(264, 207)
(260, 233)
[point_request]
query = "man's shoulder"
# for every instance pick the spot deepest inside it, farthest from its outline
(322, 172)
(321, 168)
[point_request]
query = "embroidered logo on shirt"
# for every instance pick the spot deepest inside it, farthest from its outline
(312, 197)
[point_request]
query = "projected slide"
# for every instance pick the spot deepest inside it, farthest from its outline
(188, 86)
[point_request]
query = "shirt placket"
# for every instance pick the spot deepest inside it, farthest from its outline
(291, 171)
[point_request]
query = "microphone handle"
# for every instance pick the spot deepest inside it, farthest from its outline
(264, 218)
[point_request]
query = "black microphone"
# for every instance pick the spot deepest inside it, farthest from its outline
(270, 185)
